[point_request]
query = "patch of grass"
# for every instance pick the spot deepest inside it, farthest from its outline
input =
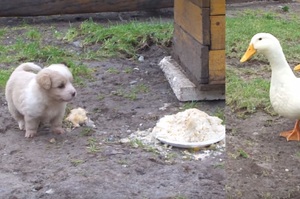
(71, 34)
(238, 34)
(189, 105)
(140, 88)
(133, 92)
(4, 76)
(2, 32)
(220, 114)
(219, 166)
(86, 131)
(80, 70)
(28, 44)
(123, 162)
(125, 39)
(120, 92)
(93, 145)
(57, 34)
(247, 96)
(128, 70)
(113, 71)
(232, 155)
(285, 9)
(33, 50)
(33, 34)
(239, 153)
(150, 149)
(136, 143)
(242, 153)
(52, 54)
(101, 97)
(131, 96)
(76, 162)
(170, 156)
(23, 50)
(5, 57)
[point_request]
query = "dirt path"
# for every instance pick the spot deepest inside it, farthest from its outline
(271, 169)
(92, 163)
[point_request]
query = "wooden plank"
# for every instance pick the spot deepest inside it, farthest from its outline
(54, 7)
(191, 55)
(217, 67)
(193, 19)
(213, 87)
(217, 32)
(217, 7)
(201, 3)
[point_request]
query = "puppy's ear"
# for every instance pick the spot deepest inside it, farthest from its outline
(44, 80)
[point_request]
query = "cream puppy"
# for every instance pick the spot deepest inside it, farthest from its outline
(35, 95)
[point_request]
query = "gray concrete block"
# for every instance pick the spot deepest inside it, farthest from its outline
(183, 88)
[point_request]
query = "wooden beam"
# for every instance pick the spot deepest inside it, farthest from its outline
(217, 32)
(217, 67)
(191, 55)
(10, 8)
(193, 19)
(217, 7)
(201, 3)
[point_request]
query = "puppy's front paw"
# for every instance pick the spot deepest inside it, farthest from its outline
(58, 130)
(30, 134)
(21, 124)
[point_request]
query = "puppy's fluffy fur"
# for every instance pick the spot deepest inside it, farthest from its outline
(39, 98)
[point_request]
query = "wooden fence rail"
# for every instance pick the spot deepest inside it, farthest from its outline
(9, 8)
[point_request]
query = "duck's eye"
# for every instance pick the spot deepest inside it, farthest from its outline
(260, 38)
(61, 86)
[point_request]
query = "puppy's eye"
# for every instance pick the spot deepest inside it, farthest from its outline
(61, 86)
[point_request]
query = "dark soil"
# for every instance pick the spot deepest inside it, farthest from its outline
(271, 169)
(92, 163)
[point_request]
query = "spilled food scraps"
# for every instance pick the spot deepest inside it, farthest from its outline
(78, 117)
(191, 128)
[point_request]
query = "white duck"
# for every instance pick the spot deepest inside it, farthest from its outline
(285, 86)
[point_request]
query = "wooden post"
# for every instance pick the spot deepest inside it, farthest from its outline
(199, 41)
(217, 45)
(9, 8)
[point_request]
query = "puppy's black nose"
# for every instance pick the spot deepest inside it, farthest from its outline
(73, 94)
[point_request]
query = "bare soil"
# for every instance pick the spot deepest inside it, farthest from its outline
(93, 163)
(271, 169)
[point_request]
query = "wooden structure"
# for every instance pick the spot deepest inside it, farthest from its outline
(199, 37)
(199, 42)
(12, 8)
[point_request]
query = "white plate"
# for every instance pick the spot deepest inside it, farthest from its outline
(191, 144)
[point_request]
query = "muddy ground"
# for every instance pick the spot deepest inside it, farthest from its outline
(272, 168)
(92, 163)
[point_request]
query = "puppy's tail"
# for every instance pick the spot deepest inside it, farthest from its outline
(28, 67)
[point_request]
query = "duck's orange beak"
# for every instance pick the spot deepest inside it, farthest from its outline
(297, 68)
(249, 53)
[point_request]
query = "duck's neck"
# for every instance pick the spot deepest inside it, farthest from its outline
(279, 64)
